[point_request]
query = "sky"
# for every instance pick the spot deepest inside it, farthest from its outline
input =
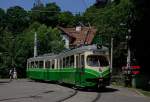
(65, 5)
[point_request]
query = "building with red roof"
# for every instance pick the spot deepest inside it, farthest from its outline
(77, 36)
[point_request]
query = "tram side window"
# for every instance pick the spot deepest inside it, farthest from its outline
(72, 61)
(36, 64)
(67, 62)
(82, 60)
(40, 64)
(64, 62)
(77, 61)
(60, 63)
(28, 64)
(47, 64)
(32, 65)
(53, 64)
(58, 66)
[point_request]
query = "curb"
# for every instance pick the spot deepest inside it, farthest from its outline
(139, 93)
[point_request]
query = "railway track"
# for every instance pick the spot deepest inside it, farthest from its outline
(70, 96)
(25, 97)
(82, 96)
(97, 97)
(24, 91)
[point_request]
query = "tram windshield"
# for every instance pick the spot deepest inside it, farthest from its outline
(97, 61)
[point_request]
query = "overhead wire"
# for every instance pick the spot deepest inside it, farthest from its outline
(84, 2)
(54, 11)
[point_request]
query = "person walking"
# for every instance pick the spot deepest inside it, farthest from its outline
(14, 74)
(10, 74)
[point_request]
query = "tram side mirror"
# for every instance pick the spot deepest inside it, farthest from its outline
(99, 46)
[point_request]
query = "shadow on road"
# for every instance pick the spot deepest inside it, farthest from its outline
(100, 90)
(4, 82)
(108, 89)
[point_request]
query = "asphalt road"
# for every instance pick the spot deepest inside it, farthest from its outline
(24, 90)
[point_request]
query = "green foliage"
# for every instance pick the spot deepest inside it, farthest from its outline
(17, 19)
(80, 19)
(46, 36)
(46, 14)
(109, 18)
(2, 20)
(140, 36)
(113, 20)
(15, 50)
(66, 19)
(11, 53)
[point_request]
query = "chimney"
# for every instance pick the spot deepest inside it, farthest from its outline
(78, 28)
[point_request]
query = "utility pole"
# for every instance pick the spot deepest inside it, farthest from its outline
(128, 58)
(12, 53)
(35, 44)
(111, 59)
(128, 37)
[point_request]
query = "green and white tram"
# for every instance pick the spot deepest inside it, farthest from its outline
(87, 66)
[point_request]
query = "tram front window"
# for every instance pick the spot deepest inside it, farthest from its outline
(97, 61)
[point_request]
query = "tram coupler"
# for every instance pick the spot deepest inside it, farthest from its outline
(100, 82)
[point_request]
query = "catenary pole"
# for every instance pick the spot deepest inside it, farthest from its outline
(35, 44)
(111, 59)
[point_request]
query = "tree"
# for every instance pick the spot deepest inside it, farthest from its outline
(46, 36)
(17, 19)
(47, 15)
(101, 3)
(112, 20)
(7, 52)
(15, 50)
(66, 19)
(140, 34)
(2, 21)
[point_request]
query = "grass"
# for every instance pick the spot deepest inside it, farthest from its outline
(117, 84)
(145, 93)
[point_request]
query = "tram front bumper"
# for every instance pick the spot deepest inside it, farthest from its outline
(103, 81)
(94, 79)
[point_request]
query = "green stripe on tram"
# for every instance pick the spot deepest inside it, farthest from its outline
(67, 75)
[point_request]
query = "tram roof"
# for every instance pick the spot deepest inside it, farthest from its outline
(45, 56)
(70, 52)
(84, 49)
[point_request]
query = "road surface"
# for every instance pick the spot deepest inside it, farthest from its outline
(24, 90)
